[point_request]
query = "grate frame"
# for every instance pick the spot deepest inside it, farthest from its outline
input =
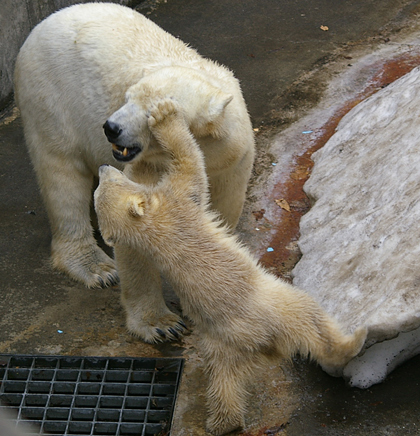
(101, 396)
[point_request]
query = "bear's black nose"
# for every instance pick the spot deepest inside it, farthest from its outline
(112, 130)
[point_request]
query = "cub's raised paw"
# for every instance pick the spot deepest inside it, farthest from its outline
(169, 327)
(162, 110)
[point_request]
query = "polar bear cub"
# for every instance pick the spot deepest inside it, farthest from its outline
(94, 67)
(244, 315)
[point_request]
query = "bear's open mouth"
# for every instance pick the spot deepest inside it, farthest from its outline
(125, 154)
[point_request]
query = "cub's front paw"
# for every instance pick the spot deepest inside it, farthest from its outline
(163, 110)
(169, 327)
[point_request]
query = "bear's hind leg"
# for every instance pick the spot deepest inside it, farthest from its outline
(66, 188)
(147, 315)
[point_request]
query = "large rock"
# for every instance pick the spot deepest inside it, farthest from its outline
(361, 239)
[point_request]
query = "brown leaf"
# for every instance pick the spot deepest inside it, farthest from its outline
(301, 172)
(283, 204)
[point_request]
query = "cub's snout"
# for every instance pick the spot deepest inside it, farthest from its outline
(109, 173)
(102, 169)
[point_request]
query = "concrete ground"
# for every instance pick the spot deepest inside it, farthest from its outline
(294, 76)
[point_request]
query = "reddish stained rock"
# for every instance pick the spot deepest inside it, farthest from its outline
(285, 229)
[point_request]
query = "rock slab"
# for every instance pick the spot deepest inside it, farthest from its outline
(361, 239)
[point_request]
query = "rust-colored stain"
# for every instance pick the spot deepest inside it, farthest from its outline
(285, 229)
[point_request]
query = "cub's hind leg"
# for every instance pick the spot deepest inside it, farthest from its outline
(307, 329)
(229, 370)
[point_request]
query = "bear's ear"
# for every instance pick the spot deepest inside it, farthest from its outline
(135, 205)
(217, 104)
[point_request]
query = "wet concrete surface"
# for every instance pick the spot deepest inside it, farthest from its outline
(285, 63)
(269, 44)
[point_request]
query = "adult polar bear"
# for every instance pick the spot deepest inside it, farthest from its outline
(98, 62)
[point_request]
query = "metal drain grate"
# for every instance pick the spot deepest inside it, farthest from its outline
(63, 395)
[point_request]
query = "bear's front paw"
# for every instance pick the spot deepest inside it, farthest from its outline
(165, 109)
(84, 262)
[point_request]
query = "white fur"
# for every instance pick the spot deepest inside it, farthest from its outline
(244, 315)
(93, 62)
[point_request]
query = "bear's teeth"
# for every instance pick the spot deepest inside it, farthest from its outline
(117, 148)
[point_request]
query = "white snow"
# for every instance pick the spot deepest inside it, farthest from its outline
(361, 239)
(381, 359)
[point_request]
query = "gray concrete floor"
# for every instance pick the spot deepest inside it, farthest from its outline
(285, 63)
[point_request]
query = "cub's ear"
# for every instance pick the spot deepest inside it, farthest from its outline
(109, 241)
(217, 104)
(136, 205)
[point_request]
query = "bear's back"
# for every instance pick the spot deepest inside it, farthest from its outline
(76, 66)
(107, 39)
